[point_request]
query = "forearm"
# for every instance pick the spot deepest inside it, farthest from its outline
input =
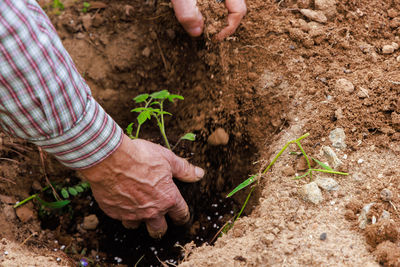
(43, 98)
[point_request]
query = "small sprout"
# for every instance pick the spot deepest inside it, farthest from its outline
(86, 6)
(64, 193)
(154, 108)
(72, 191)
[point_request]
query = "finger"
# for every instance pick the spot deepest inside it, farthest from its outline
(183, 170)
(237, 9)
(156, 227)
(189, 16)
(179, 213)
(131, 224)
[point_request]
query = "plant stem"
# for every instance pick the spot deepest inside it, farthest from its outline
(162, 126)
(25, 200)
(283, 149)
(305, 155)
(244, 204)
(328, 171)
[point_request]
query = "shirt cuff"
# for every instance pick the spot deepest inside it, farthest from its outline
(93, 138)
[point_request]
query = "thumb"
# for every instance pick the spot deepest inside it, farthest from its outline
(183, 170)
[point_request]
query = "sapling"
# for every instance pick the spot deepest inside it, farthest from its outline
(256, 177)
(66, 193)
(153, 107)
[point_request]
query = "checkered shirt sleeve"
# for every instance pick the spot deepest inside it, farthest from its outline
(43, 98)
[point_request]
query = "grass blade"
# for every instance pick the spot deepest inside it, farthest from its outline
(323, 165)
(244, 184)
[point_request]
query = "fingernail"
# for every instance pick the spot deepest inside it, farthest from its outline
(199, 172)
(195, 31)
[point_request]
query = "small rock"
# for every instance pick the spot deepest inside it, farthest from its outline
(323, 236)
(395, 45)
(7, 199)
(36, 186)
(303, 25)
(327, 6)
(269, 238)
(360, 161)
(387, 49)
(288, 171)
(338, 138)
(146, 52)
(328, 184)
(386, 195)
(385, 215)
(363, 93)
(362, 218)
(291, 226)
(90, 222)
(218, 137)
(302, 164)
(339, 114)
(24, 213)
(9, 213)
(333, 160)
(311, 192)
(317, 16)
(87, 21)
(344, 85)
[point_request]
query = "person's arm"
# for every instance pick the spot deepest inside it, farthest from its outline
(43, 99)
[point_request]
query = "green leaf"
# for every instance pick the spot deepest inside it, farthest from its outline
(53, 205)
(79, 189)
(85, 185)
(301, 176)
(129, 129)
(160, 95)
(64, 193)
(166, 113)
(189, 136)
(172, 97)
(244, 184)
(155, 103)
(141, 98)
(323, 165)
(72, 191)
(86, 4)
(143, 117)
(138, 109)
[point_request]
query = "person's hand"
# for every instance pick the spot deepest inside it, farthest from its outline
(134, 184)
(188, 14)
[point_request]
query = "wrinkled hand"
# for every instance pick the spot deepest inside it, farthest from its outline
(188, 14)
(134, 184)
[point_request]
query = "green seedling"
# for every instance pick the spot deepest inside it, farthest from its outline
(57, 4)
(66, 192)
(153, 107)
(256, 177)
(86, 6)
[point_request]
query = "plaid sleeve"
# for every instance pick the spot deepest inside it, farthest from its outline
(43, 98)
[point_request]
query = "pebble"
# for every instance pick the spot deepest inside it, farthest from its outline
(146, 51)
(360, 161)
(291, 226)
(363, 93)
(288, 171)
(333, 159)
(338, 138)
(317, 16)
(328, 184)
(311, 193)
(386, 195)
(218, 137)
(323, 236)
(344, 85)
(24, 214)
(7, 199)
(362, 218)
(388, 49)
(9, 213)
(90, 222)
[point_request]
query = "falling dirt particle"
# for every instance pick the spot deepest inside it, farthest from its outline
(24, 214)
(381, 231)
(90, 222)
(218, 137)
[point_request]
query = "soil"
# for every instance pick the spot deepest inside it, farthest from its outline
(279, 76)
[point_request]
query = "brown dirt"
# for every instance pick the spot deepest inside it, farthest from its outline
(271, 82)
